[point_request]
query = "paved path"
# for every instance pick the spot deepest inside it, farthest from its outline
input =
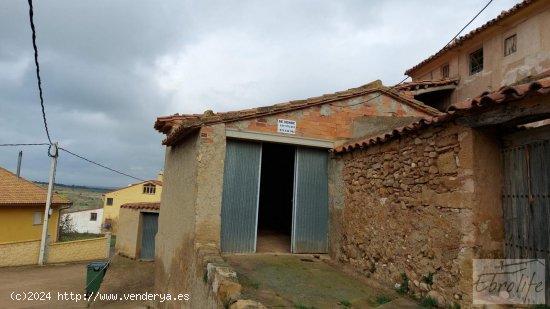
(51, 280)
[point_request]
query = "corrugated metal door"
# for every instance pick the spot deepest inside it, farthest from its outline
(148, 233)
(241, 189)
(310, 209)
(526, 196)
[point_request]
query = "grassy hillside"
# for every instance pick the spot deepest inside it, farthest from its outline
(82, 197)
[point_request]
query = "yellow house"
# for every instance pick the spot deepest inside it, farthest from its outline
(144, 192)
(22, 205)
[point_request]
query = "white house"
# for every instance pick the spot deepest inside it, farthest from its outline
(86, 221)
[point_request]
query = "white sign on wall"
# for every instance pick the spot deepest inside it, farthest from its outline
(286, 126)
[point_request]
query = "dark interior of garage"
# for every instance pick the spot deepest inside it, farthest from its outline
(275, 206)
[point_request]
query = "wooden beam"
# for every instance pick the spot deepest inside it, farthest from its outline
(518, 112)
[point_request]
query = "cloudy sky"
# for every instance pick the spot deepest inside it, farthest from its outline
(109, 68)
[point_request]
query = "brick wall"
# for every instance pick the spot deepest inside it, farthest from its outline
(407, 211)
(79, 250)
(19, 253)
(339, 120)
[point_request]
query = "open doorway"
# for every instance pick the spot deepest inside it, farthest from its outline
(275, 204)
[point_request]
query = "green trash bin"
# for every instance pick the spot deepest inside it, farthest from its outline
(94, 276)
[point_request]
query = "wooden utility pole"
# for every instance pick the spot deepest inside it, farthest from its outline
(53, 152)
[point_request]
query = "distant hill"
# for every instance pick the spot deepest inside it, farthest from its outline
(83, 197)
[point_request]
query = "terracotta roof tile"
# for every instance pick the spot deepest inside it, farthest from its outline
(504, 94)
(382, 138)
(150, 206)
(177, 126)
(425, 84)
(20, 192)
(457, 42)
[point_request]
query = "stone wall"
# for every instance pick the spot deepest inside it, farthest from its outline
(407, 212)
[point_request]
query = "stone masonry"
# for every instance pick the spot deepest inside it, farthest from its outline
(407, 218)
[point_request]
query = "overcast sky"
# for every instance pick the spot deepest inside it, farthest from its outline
(109, 68)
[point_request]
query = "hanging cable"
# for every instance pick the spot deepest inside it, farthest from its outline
(392, 87)
(100, 165)
(33, 144)
(459, 32)
(31, 14)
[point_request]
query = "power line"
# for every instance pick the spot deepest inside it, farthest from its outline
(33, 144)
(31, 14)
(392, 87)
(98, 164)
(483, 9)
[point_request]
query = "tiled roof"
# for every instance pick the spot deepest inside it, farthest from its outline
(183, 123)
(457, 42)
(531, 87)
(504, 94)
(20, 192)
(150, 206)
(156, 182)
(379, 139)
(425, 84)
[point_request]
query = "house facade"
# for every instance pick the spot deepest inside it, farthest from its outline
(234, 180)
(148, 192)
(84, 221)
(505, 50)
(22, 206)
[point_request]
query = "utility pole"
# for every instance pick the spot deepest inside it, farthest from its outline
(53, 152)
(19, 163)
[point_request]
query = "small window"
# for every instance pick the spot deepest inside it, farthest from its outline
(109, 201)
(37, 218)
(445, 71)
(93, 216)
(510, 45)
(149, 188)
(476, 61)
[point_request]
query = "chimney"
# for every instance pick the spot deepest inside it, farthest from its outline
(160, 176)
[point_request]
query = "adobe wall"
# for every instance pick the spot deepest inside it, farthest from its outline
(175, 238)
(190, 212)
(424, 204)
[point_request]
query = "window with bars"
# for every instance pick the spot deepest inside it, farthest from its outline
(93, 216)
(476, 61)
(510, 45)
(149, 188)
(109, 201)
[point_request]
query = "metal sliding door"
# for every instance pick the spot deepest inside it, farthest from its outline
(310, 209)
(241, 187)
(148, 233)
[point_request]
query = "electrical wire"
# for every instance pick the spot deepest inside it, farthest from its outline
(32, 144)
(483, 9)
(31, 14)
(392, 87)
(100, 165)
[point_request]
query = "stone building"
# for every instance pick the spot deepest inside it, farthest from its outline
(406, 184)
(235, 179)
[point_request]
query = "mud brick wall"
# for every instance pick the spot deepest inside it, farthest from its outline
(407, 210)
